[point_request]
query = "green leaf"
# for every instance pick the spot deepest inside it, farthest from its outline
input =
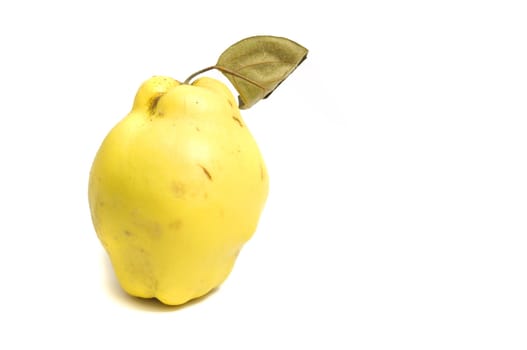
(257, 65)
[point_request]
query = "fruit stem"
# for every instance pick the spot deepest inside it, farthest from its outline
(223, 70)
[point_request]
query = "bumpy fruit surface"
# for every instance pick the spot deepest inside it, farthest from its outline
(176, 189)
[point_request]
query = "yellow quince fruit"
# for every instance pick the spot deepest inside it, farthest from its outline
(176, 189)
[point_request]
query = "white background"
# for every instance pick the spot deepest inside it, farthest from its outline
(397, 217)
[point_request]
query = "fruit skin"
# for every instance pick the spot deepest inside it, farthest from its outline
(176, 188)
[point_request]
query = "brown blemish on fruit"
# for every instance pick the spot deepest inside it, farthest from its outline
(262, 172)
(175, 225)
(156, 230)
(151, 227)
(236, 252)
(178, 189)
(206, 172)
(127, 233)
(198, 129)
(237, 120)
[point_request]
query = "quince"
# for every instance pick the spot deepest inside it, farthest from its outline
(176, 189)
